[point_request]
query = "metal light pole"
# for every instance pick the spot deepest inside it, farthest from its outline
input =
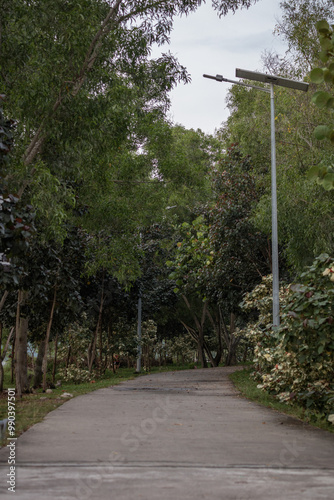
(139, 349)
(274, 230)
(283, 82)
(138, 370)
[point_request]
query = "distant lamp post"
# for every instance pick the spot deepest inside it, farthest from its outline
(282, 82)
(139, 350)
(139, 324)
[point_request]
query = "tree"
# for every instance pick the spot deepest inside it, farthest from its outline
(16, 220)
(297, 27)
(87, 100)
(219, 256)
(82, 45)
(16, 226)
(88, 103)
(304, 210)
(324, 173)
(241, 253)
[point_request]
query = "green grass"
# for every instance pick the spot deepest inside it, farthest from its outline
(248, 388)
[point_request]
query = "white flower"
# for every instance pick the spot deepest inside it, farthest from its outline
(326, 272)
(331, 418)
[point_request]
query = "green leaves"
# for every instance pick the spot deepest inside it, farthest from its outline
(220, 254)
(323, 175)
(328, 181)
(16, 219)
(323, 27)
(322, 132)
(317, 75)
(296, 362)
(323, 99)
(191, 255)
(320, 75)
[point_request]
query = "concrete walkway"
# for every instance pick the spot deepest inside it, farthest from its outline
(180, 435)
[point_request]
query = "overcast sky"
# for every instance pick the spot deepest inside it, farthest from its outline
(206, 44)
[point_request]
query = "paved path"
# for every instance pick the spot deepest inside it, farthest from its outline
(180, 435)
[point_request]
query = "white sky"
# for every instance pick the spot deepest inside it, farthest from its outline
(203, 43)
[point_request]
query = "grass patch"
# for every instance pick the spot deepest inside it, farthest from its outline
(32, 408)
(248, 387)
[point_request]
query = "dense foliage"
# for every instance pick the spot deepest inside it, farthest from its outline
(324, 173)
(296, 361)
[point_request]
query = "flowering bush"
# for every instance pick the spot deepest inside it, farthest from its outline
(182, 348)
(296, 361)
(260, 334)
(75, 375)
(75, 341)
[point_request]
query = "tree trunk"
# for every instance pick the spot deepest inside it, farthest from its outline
(1, 377)
(38, 378)
(231, 358)
(101, 352)
(148, 359)
(21, 368)
(113, 363)
(3, 354)
(3, 299)
(198, 334)
(1, 358)
(13, 363)
(107, 360)
(209, 353)
(47, 336)
(55, 361)
(92, 346)
(216, 321)
(201, 354)
(68, 358)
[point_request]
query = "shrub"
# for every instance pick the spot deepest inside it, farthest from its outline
(75, 375)
(296, 361)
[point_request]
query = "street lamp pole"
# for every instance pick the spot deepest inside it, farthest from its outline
(283, 82)
(138, 368)
(139, 324)
(274, 230)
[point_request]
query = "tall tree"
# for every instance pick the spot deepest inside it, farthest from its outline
(305, 212)
(86, 96)
(87, 99)
(324, 173)
(297, 26)
(58, 49)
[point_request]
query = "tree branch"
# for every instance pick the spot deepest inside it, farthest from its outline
(91, 55)
(116, 181)
(3, 299)
(3, 354)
